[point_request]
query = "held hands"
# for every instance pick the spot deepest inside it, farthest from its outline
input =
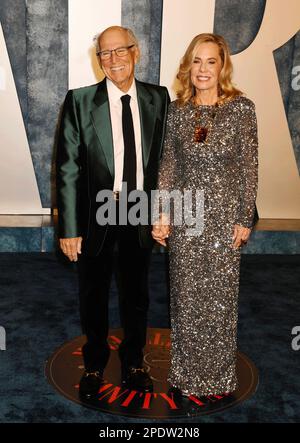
(161, 230)
(240, 236)
(71, 247)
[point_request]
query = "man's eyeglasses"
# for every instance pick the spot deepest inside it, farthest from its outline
(120, 52)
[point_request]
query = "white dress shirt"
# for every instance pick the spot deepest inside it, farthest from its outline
(115, 105)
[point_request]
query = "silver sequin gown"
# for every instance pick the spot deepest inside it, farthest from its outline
(204, 269)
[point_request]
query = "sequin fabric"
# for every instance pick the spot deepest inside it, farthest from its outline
(204, 269)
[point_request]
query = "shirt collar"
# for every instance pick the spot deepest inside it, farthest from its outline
(115, 94)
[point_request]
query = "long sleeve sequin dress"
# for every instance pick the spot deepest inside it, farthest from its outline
(204, 268)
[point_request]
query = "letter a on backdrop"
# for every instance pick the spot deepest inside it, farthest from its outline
(255, 73)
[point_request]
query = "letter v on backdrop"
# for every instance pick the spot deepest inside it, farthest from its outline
(19, 192)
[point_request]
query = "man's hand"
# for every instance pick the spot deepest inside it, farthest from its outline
(160, 233)
(71, 247)
(161, 230)
(240, 236)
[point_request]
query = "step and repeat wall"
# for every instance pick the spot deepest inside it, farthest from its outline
(46, 48)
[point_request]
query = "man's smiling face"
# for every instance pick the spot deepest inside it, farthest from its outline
(120, 70)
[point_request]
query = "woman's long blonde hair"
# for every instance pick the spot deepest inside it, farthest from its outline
(226, 90)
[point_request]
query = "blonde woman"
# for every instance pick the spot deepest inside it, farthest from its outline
(210, 146)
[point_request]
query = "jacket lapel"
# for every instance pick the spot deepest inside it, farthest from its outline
(147, 118)
(102, 124)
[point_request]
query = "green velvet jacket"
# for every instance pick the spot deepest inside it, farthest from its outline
(85, 157)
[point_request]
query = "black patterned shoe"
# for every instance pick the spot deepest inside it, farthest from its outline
(90, 383)
(137, 378)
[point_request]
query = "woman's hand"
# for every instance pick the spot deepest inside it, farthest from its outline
(161, 230)
(240, 236)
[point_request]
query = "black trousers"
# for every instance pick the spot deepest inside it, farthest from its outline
(121, 252)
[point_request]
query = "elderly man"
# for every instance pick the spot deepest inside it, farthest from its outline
(111, 137)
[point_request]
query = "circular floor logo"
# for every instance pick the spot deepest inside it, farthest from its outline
(65, 367)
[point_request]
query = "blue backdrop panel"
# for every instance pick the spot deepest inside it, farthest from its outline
(36, 35)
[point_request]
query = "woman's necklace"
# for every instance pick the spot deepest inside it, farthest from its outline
(201, 132)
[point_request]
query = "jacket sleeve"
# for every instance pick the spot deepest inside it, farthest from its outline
(68, 170)
(248, 160)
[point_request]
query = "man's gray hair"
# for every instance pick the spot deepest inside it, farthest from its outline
(131, 37)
